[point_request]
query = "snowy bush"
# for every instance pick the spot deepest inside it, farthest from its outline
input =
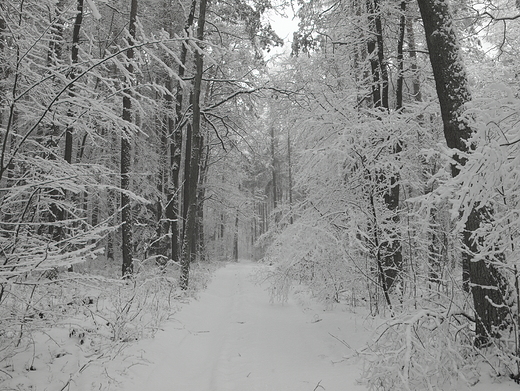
(64, 324)
(309, 254)
(434, 348)
(422, 350)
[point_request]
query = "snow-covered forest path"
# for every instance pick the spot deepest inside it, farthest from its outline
(232, 338)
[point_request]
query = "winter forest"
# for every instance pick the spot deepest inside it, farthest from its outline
(366, 165)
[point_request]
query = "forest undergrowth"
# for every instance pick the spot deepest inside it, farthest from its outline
(424, 341)
(54, 325)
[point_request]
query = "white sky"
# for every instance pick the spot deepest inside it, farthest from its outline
(284, 27)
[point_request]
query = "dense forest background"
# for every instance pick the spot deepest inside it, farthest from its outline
(377, 163)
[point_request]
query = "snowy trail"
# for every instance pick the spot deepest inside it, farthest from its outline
(233, 339)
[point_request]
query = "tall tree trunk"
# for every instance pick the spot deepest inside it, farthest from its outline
(201, 195)
(175, 132)
(376, 53)
(413, 59)
(190, 234)
(400, 58)
(273, 171)
(126, 152)
(3, 70)
(72, 75)
(54, 55)
(289, 163)
(111, 201)
(488, 286)
(391, 258)
(235, 239)
(187, 170)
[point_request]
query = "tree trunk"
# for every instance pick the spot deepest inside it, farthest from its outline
(126, 151)
(3, 70)
(175, 132)
(487, 284)
(400, 58)
(72, 76)
(376, 53)
(201, 194)
(289, 163)
(235, 239)
(70, 114)
(413, 57)
(190, 234)
(391, 258)
(273, 171)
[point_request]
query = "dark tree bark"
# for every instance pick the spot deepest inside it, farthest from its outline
(377, 57)
(390, 254)
(109, 251)
(235, 239)
(487, 283)
(3, 69)
(126, 152)
(187, 171)
(72, 75)
(201, 195)
(400, 58)
(289, 163)
(413, 59)
(194, 162)
(175, 133)
(273, 171)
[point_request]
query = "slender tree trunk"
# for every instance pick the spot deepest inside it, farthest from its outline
(111, 198)
(488, 286)
(391, 258)
(70, 114)
(72, 75)
(3, 70)
(400, 58)
(289, 163)
(175, 132)
(186, 188)
(201, 194)
(126, 153)
(194, 162)
(413, 60)
(235, 239)
(273, 170)
(54, 55)
(377, 57)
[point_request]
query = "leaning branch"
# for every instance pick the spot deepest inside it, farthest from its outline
(497, 19)
(243, 92)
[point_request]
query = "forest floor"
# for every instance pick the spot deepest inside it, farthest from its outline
(233, 338)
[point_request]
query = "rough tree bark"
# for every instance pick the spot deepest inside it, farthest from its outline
(175, 133)
(190, 236)
(126, 151)
(487, 284)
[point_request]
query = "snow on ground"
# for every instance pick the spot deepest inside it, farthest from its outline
(233, 338)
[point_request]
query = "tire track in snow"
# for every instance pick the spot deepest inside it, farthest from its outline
(233, 339)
